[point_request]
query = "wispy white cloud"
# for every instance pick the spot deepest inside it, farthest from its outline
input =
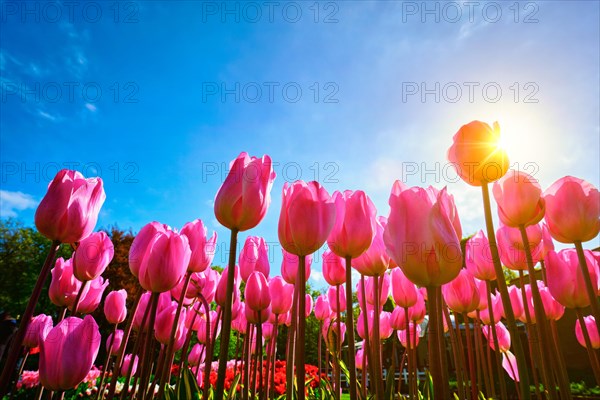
(91, 107)
(12, 202)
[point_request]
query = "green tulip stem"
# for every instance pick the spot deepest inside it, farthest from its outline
(510, 315)
(226, 325)
(592, 294)
(17, 341)
(350, 330)
(301, 328)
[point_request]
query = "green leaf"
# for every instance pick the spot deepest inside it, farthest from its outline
(189, 388)
(233, 388)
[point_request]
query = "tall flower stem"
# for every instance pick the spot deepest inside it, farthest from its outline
(472, 372)
(497, 353)
(146, 360)
(588, 346)
(548, 356)
(459, 365)
(592, 294)
(510, 315)
(409, 352)
(17, 341)
(291, 342)
(337, 384)
(166, 368)
(377, 342)
(350, 330)
(82, 289)
(367, 340)
(532, 337)
(481, 361)
(300, 354)
(226, 326)
(106, 364)
(441, 389)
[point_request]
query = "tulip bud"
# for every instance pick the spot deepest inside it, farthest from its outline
(461, 294)
(257, 292)
(127, 365)
(115, 306)
(565, 279)
(404, 291)
(334, 268)
(69, 210)
(590, 325)
(282, 295)
(92, 256)
(37, 330)
(519, 199)
(113, 342)
(322, 309)
(64, 287)
(254, 257)
(68, 353)
(243, 199)
(289, 267)
(203, 249)
(375, 260)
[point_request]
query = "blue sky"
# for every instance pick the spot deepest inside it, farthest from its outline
(157, 97)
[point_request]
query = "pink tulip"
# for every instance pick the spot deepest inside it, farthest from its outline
(257, 293)
(511, 249)
(355, 224)
(423, 234)
(164, 322)
(385, 327)
(307, 217)
(509, 363)
(322, 308)
(516, 302)
(113, 342)
(519, 198)
(404, 291)
(360, 359)
(203, 249)
(398, 318)
(502, 334)
(572, 210)
(205, 283)
(37, 330)
(127, 364)
(376, 260)
(565, 279)
(239, 323)
(165, 261)
(547, 243)
(68, 353)
(267, 331)
(221, 292)
(115, 306)
(289, 267)
(282, 295)
(164, 300)
(414, 339)
(196, 355)
(590, 324)
(64, 286)
(201, 334)
(254, 257)
(554, 310)
(383, 286)
(477, 155)
(92, 256)
(257, 317)
(334, 268)
(497, 308)
(332, 295)
(244, 197)
(461, 294)
(308, 305)
(478, 257)
(417, 312)
(69, 210)
(192, 318)
(140, 244)
(91, 296)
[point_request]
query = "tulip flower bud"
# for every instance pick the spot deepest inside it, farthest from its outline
(254, 257)
(322, 309)
(196, 355)
(355, 224)
(375, 260)
(113, 342)
(478, 257)
(461, 294)
(519, 198)
(572, 210)
(565, 279)
(92, 256)
(164, 322)
(127, 364)
(69, 210)
(257, 292)
(92, 296)
(502, 334)
(308, 304)
(334, 268)
(203, 249)
(221, 292)
(423, 234)
(307, 217)
(37, 330)
(414, 338)
(289, 267)
(477, 155)
(590, 324)
(404, 291)
(68, 353)
(243, 199)
(64, 287)
(282, 295)
(337, 295)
